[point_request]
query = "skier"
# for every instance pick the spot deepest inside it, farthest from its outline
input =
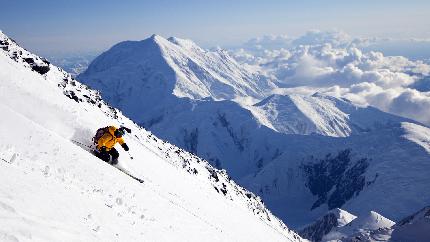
(106, 138)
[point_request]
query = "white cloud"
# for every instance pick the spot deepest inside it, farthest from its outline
(334, 63)
(317, 37)
(412, 103)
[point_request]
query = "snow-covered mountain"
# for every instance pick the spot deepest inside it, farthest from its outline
(318, 114)
(303, 154)
(159, 66)
(334, 219)
(362, 225)
(52, 189)
(413, 228)
(339, 225)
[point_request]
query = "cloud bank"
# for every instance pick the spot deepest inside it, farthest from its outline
(339, 65)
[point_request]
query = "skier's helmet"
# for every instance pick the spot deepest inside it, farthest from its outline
(119, 133)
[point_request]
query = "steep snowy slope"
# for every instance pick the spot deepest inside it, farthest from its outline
(54, 190)
(313, 153)
(413, 228)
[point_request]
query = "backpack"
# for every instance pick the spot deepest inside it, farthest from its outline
(100, 132)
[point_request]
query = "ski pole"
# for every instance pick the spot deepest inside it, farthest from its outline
(79, 143)
(131, 157)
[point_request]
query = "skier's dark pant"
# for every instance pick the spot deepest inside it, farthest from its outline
(105, 155)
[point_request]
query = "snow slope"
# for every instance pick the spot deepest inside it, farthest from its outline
(281, 147)
(413, 228)
(318, 114)
(54, 190)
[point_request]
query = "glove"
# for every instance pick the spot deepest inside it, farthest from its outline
(103, 149)
(125, 147)
(126, 129)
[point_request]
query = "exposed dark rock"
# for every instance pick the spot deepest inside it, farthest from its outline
(224, 189)
(40, 69)
(317, 230)
(29, 60)
(4, 45)
(46, 61)
(239, 142)
(191, 140)
(335, 179)
(72, 95)
(259, 163)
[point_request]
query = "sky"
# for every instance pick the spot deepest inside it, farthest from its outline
(60, 26)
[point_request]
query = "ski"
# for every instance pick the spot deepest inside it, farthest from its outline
(90, 150)
(130, 175)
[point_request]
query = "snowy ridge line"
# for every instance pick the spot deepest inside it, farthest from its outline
(71, 88)
(177, 157)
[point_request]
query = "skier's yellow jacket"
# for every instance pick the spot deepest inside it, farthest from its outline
(109, 139)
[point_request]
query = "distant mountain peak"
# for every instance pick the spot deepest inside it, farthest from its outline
(333, 219)
(371, 221)
(179, 65)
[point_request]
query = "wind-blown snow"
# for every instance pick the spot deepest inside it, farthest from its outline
(54, 190)
(417, 134)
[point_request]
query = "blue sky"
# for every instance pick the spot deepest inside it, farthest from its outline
(49, 26)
